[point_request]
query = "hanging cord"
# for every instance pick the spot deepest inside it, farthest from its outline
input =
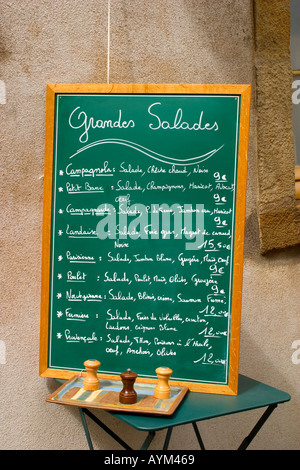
(108, 38)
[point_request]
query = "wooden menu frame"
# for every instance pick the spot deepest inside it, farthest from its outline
(244, 91)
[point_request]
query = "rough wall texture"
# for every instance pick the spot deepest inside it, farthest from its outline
(278, 214)
(65, 41)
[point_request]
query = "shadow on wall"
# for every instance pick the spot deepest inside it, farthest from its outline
(284, 256)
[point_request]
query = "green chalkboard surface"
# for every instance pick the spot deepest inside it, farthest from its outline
(143, 230)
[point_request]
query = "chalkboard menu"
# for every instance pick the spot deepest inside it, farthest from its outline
(144, 204)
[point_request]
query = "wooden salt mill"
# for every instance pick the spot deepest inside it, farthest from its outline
(128, 395)
(162, 389)
(91, 381)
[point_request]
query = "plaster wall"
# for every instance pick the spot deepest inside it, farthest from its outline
(195, 41)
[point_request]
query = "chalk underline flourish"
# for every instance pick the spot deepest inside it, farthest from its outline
(150, 153)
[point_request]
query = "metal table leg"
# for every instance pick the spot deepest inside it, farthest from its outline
(86, 429)
(148, 440)
(257, 427)
(151, 434)
(198, 436)
(102, 425)
(167, 439)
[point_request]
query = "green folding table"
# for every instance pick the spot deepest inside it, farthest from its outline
(197, 407)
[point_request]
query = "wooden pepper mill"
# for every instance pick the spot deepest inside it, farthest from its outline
(162, 389)
(128, 395)
(91, 381)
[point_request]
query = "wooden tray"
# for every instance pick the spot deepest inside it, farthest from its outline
(107, 397)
